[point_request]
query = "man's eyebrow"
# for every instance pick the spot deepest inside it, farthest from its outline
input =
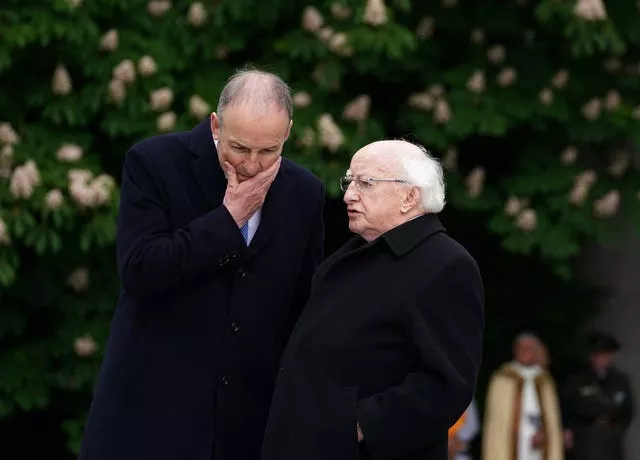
(242, 145)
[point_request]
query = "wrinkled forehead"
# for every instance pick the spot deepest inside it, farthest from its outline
(252, 129)
(367, 163)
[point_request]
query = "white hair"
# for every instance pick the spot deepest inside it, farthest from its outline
(425, 172)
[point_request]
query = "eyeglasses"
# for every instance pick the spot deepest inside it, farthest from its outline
(364, 184)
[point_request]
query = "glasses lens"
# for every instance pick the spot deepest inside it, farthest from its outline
(344, 183)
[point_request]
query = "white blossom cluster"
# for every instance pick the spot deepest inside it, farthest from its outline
(88, 191)
(432, 99)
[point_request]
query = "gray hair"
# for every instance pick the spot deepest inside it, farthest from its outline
(425, 172)
(256, 88)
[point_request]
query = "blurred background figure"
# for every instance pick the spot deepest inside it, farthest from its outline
(544, 361)
(522, 413)
(542, 355)
(599, 404)
(463, 432)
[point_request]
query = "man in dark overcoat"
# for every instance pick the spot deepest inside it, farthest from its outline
(218, 238)
(385, 356)
(598, 404)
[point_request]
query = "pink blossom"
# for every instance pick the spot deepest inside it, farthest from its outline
(330, 134)
(569, 155)
(475, 181)
(375, 13)
(7, 134)
(61, 82)
(161, 99)
(197, 14)
(69, 153)
(147, 66)
(302, 99)
(109, 41)
(78, 279)
(125, 71)
(358, 109)
(527, 220)
(84, 346)
(312, 20)
(476, 82)
(158, 7)
(442, 113)
(607, 206)
(198, 107)
(54, 199)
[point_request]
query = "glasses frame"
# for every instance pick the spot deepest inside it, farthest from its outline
(346, 180)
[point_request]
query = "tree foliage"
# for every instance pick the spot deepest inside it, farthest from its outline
(533, 108)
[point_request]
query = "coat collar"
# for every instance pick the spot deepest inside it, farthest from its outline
(400, 240)
(213, 183)
(407, 236)
(510, 370)
(205, 165)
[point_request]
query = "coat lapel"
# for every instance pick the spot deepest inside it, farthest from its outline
(206, 169)
(273, 211)
(353, 246)
(317, 308)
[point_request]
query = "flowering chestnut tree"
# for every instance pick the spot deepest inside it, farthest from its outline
(533, 108)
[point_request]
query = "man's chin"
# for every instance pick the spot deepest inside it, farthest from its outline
(353, 226)
(242, 177)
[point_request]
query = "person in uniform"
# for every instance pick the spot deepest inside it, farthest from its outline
(599, 404)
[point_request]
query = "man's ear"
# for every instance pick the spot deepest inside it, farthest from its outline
(411, 199)
(215, 125)
(288, 132)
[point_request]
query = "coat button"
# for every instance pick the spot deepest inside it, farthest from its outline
(235, 328)
(243, 275)
(226, 380)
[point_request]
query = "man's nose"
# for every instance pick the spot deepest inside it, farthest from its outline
(251, 163)
(351, 194)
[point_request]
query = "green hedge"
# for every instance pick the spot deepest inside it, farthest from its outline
(533, 107)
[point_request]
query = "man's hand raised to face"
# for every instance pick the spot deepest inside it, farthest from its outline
(243, 199)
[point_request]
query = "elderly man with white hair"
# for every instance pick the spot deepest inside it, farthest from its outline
(385, 356)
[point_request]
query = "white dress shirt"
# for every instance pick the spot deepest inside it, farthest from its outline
(254, 222)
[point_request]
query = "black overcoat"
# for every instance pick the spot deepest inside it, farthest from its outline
(197, 336)
(391, 338)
